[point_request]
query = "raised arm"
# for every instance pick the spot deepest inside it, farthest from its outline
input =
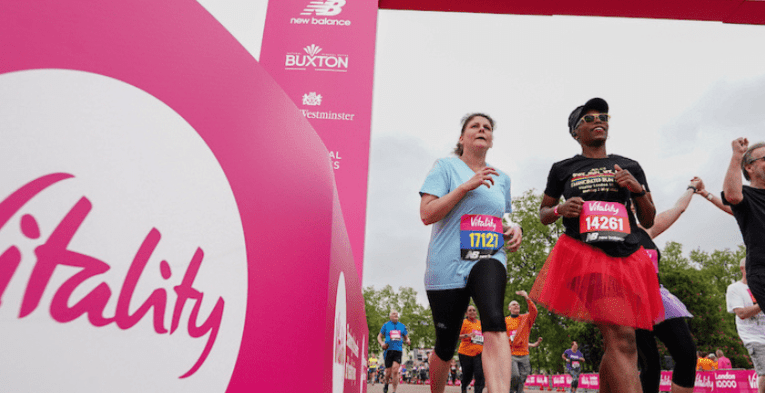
(530, 303)
(712, 198)
(732, 186)
(665, 219)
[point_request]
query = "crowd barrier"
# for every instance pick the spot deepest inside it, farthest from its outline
(719, 381)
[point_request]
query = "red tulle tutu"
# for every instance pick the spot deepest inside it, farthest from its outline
(583, 283)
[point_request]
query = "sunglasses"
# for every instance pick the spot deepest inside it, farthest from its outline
(591, 118)
(600, 116)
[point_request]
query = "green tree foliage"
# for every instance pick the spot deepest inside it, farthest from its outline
(418, 319)
(700, 282)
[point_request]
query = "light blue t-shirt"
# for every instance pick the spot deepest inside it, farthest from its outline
(395, 343)
(445, 267)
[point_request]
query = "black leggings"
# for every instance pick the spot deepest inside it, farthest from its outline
(486, 285)
(676, 336)
(756, 283)
(472, 366)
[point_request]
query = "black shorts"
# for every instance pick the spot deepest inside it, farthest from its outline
(392, 356)
(486, 285)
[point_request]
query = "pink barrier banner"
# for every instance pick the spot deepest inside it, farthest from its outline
(150, 239)
(665, 385)
(586, 381)
(322, 55)
(720, 381)
(726, 381)
(561, 381)
(589, 381)
(537, 380)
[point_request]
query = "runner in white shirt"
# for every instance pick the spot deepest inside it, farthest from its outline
(750, 322)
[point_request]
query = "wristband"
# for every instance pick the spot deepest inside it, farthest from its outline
(710, 196)
(638, 194)
(555, 211)
(692, 188)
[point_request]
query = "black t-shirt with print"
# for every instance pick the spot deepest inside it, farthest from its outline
(592, 179)
(750, 215)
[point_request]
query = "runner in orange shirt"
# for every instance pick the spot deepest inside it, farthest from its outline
(518, 329)
(706, 363)
(471, 346)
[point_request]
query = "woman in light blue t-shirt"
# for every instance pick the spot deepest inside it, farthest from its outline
(465, 200)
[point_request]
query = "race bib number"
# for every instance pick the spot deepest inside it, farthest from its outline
(477, 338)
(512, 334)
(603, 222)
(480, 236)
(575, 364)
(395, 335)
(653, 255)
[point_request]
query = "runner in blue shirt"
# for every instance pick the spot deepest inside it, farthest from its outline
(391, 339)
(465, 199)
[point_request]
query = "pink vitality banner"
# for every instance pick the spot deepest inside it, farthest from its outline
(720, 381)
(322, 55)
(586, 381)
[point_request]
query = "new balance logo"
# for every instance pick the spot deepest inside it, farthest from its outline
(471, 255)
(324, 8)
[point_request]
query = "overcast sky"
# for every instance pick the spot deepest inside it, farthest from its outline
(679, 93)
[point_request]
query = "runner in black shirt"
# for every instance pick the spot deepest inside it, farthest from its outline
(595, 272)
(748, 205)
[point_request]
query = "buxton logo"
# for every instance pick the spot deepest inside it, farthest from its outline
(312, 59)
(57, 251)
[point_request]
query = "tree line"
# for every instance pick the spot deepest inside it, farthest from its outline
(699, 281)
